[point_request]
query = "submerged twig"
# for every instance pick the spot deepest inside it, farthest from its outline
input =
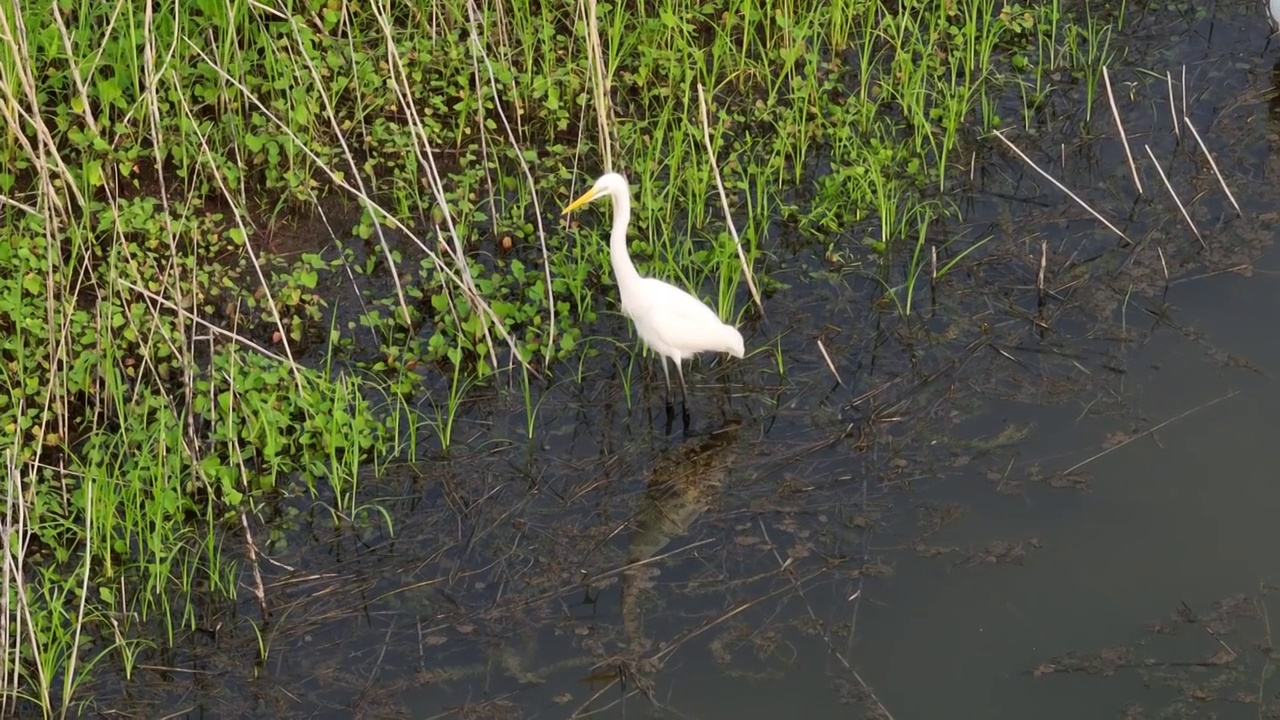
(680, 640)
(1213, 165)
(1061, 187)
(1149, 431)
(1195, 617)
(252, 547)
(830, 365)
(1241, 268)
(1176, 201)
(1184, 91)
(1124, 139)
(724, 200)
(1041, 291)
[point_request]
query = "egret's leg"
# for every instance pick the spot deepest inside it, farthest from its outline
(683, 393)
(666, 378)
(684, 400)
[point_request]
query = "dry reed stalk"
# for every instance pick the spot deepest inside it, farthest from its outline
(1213, 165)
(239, 339)
(1061, 187)
(238, 214)
(830, 365)
(724, 200)
(600, 86)
(1178, 202)
(528, 176)
(1124, 139)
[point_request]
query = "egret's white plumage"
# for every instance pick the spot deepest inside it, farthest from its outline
(669, 320)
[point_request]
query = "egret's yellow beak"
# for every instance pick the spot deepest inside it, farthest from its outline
(587, 197)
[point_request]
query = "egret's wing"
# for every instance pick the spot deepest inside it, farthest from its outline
(678, 319)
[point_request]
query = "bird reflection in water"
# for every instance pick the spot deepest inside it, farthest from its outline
(682, 484)
(1273, 105)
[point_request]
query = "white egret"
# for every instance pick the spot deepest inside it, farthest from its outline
(669, 320)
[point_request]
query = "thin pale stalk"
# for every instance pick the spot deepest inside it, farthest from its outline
(528, 175)
(425, 153)
(1061, 187)
(238, 214)
(1174, 195)
(830, 365)
(240, 339)
(600, 86)
(1214, 165)
(69, 674)
(1124, 139)
(354, 172)
(1173, 107)
(724, 200)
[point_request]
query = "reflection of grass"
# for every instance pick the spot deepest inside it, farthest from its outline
(154, 337)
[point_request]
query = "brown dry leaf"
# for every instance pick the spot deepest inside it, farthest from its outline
(860, 522)
(999, 552)
(1073, 480)
(1044, 669)
(1201, 694)
(1116, 438)
(1222, 657)
(1134, 711)
(719, 651)
(1113, 658)
(932, 551)
(873, 570)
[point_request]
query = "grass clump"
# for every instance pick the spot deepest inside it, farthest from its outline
(171, 364)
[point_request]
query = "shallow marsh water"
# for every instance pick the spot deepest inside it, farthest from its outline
(904, 545)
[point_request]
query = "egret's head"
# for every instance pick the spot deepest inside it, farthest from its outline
(609, 185)
(733, 342)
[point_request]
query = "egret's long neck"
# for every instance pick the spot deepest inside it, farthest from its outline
(624, 272)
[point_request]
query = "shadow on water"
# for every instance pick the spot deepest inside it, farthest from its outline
(1048, 495)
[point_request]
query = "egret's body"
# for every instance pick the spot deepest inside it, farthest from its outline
(673, 323)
